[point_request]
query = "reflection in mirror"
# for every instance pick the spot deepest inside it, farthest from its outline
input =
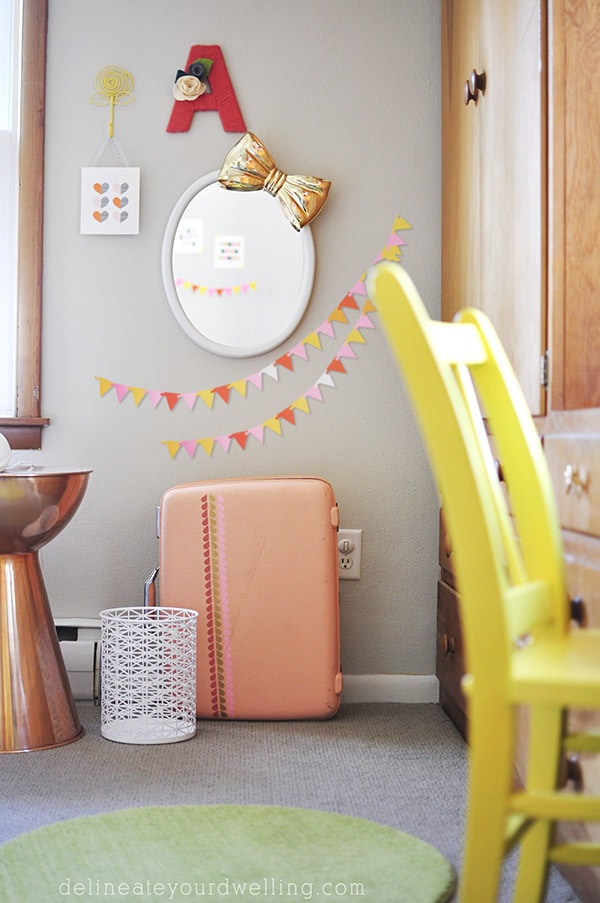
(237, 277)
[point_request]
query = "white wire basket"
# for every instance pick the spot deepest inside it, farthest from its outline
(148, 674)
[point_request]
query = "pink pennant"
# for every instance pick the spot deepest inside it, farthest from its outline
(258, 432)
(190, 446)
(363, 322)
(358, 288)
(395, 239)
(121, 390)
(300, 351)
(314, 392)
(327, 328)
(189, 398)
(346, 351)
(224, 442)
(154, 396)
(255, 379)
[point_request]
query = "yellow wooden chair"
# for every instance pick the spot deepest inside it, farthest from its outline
(521, 650)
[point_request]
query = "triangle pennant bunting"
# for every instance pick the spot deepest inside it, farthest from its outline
(207, 396)
(154, 396)
(172, 446)
(207, 445)
(240, 386)
(172, 399)
(287, 414)
(121, 390)
(190, 446)
(223, 392)
(336, 365)
(105, 385)
(391, 251)
(273, 424)
(285, 361)
(258, 432)
(241, 438)
(349, 301)
(138, 394)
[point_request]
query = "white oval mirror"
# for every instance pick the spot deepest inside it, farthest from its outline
(237, 276)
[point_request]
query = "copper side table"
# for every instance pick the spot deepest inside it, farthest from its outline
(36, 703)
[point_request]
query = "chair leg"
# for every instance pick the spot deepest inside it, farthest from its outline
(546, 730)
(491, 734)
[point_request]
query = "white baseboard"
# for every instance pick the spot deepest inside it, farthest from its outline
(390, 688)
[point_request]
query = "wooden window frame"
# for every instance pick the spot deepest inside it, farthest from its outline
(24, 430)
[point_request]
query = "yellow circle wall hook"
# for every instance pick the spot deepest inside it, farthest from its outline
(113, 86)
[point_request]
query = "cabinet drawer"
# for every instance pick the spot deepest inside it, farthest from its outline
(582, 568)
(574, 463)
(450, 661)
(446, 557)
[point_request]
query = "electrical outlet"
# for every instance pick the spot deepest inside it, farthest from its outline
(349, 554)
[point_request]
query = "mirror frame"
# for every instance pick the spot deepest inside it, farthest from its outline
(232, 350)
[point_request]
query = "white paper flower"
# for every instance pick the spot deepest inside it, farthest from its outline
(188, 87)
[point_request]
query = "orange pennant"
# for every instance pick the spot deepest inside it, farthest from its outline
(338, 315)
(287, 414)
(222, 392)
(172, 398)
(336, 365)
(285, 361)
(241, 438)
(349, 301)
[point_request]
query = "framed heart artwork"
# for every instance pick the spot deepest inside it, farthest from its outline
(110, 200)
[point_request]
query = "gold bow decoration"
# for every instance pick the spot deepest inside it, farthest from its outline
(249, 167)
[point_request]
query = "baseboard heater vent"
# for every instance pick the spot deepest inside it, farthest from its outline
(80, 646)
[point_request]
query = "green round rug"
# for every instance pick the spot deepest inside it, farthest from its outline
(241, 853)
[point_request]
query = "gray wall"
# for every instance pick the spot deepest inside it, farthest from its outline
(343, 89)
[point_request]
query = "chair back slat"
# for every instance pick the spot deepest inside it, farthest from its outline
(509, 554)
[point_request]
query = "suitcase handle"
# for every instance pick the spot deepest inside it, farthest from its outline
(150, 590)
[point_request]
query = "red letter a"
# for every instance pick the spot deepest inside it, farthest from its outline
(222, 97)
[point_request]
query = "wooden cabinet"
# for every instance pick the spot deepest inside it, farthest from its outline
(520, 220)
(493, 171)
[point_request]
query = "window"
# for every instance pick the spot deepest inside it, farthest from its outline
(22, 150)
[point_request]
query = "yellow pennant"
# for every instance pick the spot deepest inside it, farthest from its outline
(207, 396)
(207, 445)
(301, 404)
(105, 385)
(138, 394)
(241, 386)
(338, 315)
(313, 339)
(273, 424)
(172, 446)
(355, 336)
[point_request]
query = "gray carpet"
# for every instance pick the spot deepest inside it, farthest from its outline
(401, 765)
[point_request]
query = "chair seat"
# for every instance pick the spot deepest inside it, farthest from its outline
(562, 670)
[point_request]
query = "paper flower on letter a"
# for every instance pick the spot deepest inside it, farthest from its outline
(193, 83)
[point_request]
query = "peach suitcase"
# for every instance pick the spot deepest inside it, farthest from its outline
(257, 558)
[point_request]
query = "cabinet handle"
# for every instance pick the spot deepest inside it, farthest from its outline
(475, 84)
(448, 644)
(576, 480)
(447, 546)
(578, 611)
(574, 772)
